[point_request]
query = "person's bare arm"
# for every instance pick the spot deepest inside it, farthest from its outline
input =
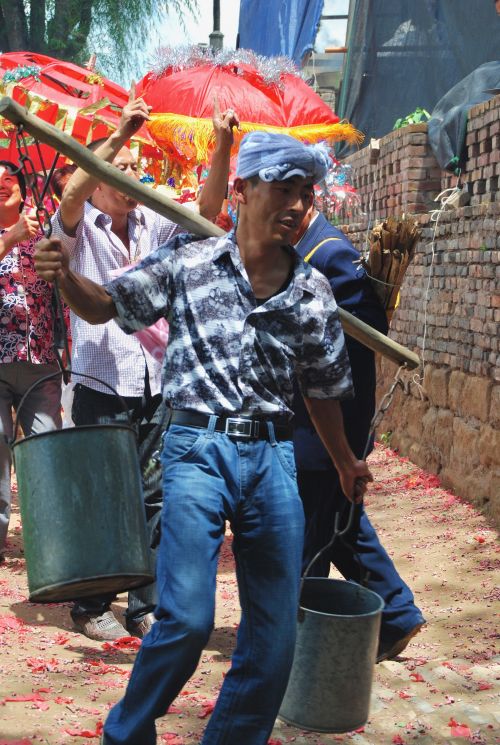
(327, 418)
(82, 185)
(214, 191)
(25, 228)
(86, 298)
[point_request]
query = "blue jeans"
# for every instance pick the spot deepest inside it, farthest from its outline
(210, 478)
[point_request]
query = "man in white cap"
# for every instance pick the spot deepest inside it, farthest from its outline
(246, 316)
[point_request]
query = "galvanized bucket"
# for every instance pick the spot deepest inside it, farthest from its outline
(82, 511)
(337, 638)
(335, 652)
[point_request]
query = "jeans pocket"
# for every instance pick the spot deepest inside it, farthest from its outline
(183, 443)
(286, 456)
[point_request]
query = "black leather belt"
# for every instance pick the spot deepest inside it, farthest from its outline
(234, 426)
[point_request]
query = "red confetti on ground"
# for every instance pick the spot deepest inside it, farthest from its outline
(125, 642)
(426, 481)
(207, 709)
(441, 531)
(26, 697)
(11, 623)
(483, 685)
(417, 677)
(61, 639)
(39, 665)
(459, 730)
(99, 667)
(86, 732)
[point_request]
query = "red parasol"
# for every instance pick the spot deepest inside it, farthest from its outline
(75, 99)
(266, 93)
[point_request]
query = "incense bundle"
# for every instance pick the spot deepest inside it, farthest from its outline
(391, 248)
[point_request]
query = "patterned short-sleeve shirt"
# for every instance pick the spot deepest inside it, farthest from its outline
(26, 324)
(226, 353)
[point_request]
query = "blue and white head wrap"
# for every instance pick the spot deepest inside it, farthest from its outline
(275, 157)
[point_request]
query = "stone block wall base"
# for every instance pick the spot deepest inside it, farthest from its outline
(446, 426)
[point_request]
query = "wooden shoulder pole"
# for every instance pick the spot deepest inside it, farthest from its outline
(63, 143)
(378, 342)
(188, 219)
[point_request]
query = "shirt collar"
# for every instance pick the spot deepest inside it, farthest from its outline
(96, 216)
(226, 245)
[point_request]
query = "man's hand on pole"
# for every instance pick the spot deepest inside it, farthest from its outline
(51, 259)
(86, 298)
(223, 124)
(134, 114)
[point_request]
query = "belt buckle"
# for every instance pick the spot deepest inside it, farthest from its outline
(236, 427)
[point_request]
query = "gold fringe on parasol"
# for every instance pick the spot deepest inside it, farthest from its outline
(392, 247)
(194, 137)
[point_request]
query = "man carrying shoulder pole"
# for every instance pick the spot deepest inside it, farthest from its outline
(246, 316)
(105, 231)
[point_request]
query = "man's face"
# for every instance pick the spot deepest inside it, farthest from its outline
(278, 208)
(10, 192)
(111, 200)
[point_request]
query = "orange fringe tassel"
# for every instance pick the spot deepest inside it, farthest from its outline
(194, 138)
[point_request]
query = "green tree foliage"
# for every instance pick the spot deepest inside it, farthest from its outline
(73, 29)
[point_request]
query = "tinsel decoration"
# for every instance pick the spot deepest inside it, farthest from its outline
(336, 196)
(95, 78)
(267, 93)
(22, 72)
(270, 69)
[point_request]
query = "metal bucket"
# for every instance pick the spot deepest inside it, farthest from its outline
(83, 517)
(337, 638)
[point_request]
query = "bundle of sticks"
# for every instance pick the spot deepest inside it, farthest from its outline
(391, 248)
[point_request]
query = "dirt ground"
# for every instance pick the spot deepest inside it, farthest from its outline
(56, 686)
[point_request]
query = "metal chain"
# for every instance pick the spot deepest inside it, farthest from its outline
(384, 404)
(43, 216)
(26, 164)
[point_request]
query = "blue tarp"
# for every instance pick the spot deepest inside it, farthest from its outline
(279, 27)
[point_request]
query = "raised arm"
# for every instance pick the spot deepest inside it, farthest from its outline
(82, 185)
(354, 474)
(214, 191)
(86, 298)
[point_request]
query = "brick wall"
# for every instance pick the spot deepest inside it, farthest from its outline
(447, 418)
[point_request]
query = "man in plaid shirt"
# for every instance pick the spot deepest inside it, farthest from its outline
(106, 231)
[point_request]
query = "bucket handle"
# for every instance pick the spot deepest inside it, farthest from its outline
(62, 373)
(337, 533)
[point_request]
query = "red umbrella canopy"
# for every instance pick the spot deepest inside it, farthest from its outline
(78, 100)
(266, 93)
